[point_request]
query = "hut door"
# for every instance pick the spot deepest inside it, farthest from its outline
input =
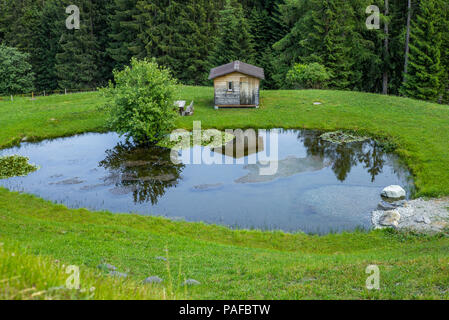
(245, 96)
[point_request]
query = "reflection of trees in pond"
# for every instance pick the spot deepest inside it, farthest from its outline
(147, 172)
(346, 155)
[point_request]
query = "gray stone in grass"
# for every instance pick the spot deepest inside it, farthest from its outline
(308, 279)
(161, 258)
(153, 280)
(191, 282)
(117, 274)
(107, 267)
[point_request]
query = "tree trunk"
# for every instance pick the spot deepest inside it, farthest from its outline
(407, 39)
(386, 47)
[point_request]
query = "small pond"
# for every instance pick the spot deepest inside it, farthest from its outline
(319, 187)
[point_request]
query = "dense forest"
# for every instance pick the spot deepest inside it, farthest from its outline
(407, 55)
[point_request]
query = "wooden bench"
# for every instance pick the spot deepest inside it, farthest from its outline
(183, 111)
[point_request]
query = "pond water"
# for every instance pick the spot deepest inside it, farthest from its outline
(319, 187)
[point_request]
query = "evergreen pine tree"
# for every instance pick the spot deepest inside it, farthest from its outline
(99, 16)
(338, 57)
(259, 22)
(76, 62)
(46, 45)
(195, 33)
(424, 78)
(321, 32)
(445, 52)
(124, 42)
(233, 40)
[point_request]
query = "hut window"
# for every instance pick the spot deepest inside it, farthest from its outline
(230, 86)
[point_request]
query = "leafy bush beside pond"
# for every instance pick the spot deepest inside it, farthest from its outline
(141, 103)
(308, 76)
(15, 166)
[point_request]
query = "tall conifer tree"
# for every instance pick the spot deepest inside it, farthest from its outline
(424, 78)
(233, 40)
(77, 60)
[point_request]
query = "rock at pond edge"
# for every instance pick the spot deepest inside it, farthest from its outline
(385, 219)
(393, 192)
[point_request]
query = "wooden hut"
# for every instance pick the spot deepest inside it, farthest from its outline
(237, 84)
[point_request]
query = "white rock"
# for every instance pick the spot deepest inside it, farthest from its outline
(394, 192)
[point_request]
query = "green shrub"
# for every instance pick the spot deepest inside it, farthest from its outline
(14, 166)
(15, 71)
(141, 103)
(308, 76)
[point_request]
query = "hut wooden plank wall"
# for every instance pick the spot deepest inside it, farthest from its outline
(237, 84)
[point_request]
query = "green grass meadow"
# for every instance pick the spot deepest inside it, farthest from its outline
(230, 264)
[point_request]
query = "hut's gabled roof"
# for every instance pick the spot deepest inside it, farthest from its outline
(237, 66)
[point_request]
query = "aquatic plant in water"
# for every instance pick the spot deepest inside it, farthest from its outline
(208, 138)
(340, 137)
(15, 166)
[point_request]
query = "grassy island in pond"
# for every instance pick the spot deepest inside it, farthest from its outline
(234, 264)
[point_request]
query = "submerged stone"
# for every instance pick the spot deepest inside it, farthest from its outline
(69, 182)
(206, 187)
(121, 191)
(338, 201)
(285, 168)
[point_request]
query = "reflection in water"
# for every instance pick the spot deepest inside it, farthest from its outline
(343, 157)
(147, 172)
(244, 144)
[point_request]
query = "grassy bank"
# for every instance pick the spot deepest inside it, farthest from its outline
(31, 277)
(230, 264)
(236, 264)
